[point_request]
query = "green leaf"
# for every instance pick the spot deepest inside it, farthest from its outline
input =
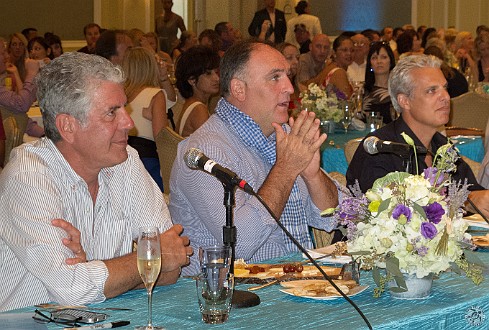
(396, 177)
(383, 206)
(420, 210)
(376, 276)
(392, 266)
(401, 282)
(397, 289)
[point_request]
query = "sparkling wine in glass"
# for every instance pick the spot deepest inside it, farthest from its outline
(347, 116)
(149, 265)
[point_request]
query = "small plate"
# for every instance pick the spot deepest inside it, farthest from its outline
(321, 252)
(353, 292)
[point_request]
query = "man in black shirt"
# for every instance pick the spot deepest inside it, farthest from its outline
(418, 92)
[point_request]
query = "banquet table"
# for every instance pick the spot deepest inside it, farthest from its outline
(455, 303)
(333, 154)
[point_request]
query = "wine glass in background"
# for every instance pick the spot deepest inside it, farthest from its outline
(347, 115)
(149, 265)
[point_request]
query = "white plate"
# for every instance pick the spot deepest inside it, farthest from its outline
(318, 253)
(353, 292)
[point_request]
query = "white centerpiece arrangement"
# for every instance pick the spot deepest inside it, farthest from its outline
(411, 225)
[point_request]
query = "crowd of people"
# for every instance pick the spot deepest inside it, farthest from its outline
(72, 201)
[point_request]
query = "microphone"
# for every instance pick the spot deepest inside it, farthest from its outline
(373, 145)
(195, 159)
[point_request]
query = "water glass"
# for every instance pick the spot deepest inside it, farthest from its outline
(215, 297)
(351, 271)
(214, 258)
(374, 120)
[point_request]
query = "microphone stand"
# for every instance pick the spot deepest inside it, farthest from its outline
(240, 298)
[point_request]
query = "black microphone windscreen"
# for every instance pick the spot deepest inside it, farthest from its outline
(192, 157)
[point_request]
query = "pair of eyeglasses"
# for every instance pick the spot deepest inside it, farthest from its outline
(359, 44)
(60, 319)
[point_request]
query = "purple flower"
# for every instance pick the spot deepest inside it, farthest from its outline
(428, 230)
(434, 212)
(401, 209)
(422, 251)
(430, 175)
(340, 95)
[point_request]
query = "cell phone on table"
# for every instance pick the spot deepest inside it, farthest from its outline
(80, 315)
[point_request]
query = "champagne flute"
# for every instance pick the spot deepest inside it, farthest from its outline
(149, 265)
(347, 116)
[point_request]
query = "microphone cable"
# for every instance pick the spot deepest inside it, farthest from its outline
(303, 250)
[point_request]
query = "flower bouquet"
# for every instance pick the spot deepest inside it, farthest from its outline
(411, 224)
(324, 102)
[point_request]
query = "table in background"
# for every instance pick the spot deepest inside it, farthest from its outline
(175, 307)
(333, 150)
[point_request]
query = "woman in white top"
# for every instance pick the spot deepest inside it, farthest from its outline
(147, 105)
(197, 80)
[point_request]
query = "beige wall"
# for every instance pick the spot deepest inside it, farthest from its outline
(67, 17)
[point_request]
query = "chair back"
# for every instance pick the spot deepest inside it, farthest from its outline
(469, 110)
(20, 118)
(13, 135)
(167, 145)
(350, 148)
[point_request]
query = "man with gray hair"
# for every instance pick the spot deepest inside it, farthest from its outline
(81, 175)
(418, 91)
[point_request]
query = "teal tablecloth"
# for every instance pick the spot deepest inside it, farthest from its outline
(333, 154)
(450, 306)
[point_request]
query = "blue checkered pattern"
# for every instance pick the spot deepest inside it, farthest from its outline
(294, 215)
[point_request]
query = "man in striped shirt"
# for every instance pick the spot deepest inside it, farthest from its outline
(82, 176)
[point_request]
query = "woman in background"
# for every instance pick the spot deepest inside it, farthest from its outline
(482, 47)
(380, 62)
(17, 49)
(408, 43)
(147, 106)
(39, 50)
(54, 42)
(334, 73)
(197, 80)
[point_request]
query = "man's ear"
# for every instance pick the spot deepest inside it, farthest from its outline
(66, 126)
(403, 101)
(238, 90)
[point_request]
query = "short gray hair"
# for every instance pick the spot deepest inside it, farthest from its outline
(400, 79)
(66, 86)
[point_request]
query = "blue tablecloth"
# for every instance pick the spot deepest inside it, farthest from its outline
(175, 307)
(333, 154)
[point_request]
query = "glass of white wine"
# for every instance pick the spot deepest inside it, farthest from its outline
(149, 265)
